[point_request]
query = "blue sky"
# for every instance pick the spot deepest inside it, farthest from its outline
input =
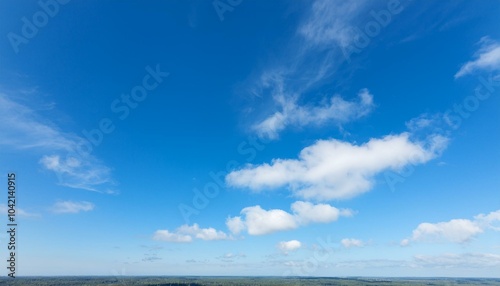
(318, 138)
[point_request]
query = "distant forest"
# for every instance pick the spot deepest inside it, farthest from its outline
(241, 281)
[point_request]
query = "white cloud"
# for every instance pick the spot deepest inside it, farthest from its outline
(187, 233)
(455, 230)
(23, 129)
(333, 169)
(235, 224)
(72, 207)
(351, 242)
(331, 22)
(202, 233)
(76, 172)
(306, 212)
(466, 260)
(165, 235)
(405, 242)
(27, 130)
(333, 110)
(4, 209)
(445, 261)
(311, 58)
(258, 221)
(486, 58)
(427, 121)
(287, 246)
(489, 220)
(231, 257)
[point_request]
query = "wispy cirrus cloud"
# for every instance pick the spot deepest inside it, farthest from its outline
(257, 221)
(330, 23)
(20, 212)
(455, 230)
(24, 129)
(487, 58)
(77, 172)
(187, 233)
(72, 207)
(311, 58)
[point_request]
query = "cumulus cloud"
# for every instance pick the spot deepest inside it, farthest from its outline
(351, 242)
(486, 58)
(455, 230)
(165, 235)
(65, 207)
(306, 212)
(288, 246)
(257, 221)
(333, 110)
(24, 129)
(334, 169)
(187, 233)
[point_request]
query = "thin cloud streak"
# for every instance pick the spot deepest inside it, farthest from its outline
(24, 129)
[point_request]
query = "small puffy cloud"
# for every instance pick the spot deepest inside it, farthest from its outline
(335, 110)
(351, 242)
(187, 233)
(64, 207)
(334, 169)
(455, 230)
(486, 58)
(287, 246)
(405, 242)
(306, 212)
(165, 235)
(257, 221)
(202, 233)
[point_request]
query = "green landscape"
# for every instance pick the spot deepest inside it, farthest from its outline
(242, 281)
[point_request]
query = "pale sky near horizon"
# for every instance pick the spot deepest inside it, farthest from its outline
(239, 137)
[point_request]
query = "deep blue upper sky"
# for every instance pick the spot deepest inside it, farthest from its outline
(319, 138)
